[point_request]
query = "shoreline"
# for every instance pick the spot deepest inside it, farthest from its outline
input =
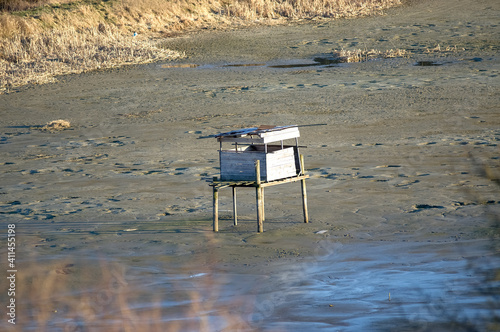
(83, 39)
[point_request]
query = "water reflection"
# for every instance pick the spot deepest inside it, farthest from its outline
(428, 64)
(318, 61)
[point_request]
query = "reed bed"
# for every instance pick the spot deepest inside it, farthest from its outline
(39, 58)
(301, 9)
(16, 5)
(51, 38)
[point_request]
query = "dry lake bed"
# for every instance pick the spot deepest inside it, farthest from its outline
(112, 216)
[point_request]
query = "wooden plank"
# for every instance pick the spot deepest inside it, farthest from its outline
(225, 184)
(240, 163)
(274, 165)
(287, 180)
(261, 138)
(237, 176)
(244, 154)
(240, 166)
(250, 156)
(280, 137)
(285, 131)
(280, 164)
(277, 174)
(238, 132)
(242, 140)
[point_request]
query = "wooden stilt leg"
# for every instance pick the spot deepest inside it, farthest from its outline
(304, 192)
(260, 221)
(258, 193)
(216, 209)
(304, 200)
(262, 203)
(235, 212)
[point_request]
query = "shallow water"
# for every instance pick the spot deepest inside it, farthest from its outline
(370, 288)
(354, 287)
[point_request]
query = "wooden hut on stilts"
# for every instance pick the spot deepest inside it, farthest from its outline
(258, 158)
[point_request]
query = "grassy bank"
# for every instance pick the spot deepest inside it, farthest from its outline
(40, 39)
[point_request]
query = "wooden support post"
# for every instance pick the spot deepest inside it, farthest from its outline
(235, 212)
(260, 215)
(258, 193)
(304, 192)
(220, 152)
(216, 209)
(262, 204)
(298, 154)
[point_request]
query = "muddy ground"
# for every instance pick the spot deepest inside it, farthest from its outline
(113, 216)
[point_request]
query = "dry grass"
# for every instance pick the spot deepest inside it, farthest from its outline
(57, 125)
(41, 43)
(364, 55)
(16, 5)
(40, 57)
(299, 9)
(440, 49)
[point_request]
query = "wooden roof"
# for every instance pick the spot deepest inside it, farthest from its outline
(261, 134)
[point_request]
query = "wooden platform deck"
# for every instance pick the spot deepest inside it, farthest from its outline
(224, 184)
(259, 193)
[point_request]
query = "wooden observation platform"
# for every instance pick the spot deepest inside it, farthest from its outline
(254, 162)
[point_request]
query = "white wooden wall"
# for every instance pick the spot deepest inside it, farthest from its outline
(236, 166)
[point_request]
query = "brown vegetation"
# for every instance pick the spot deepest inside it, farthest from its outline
(51, 38)
(40, 57)
(16, 5)
(57, 125)
(364, 55)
